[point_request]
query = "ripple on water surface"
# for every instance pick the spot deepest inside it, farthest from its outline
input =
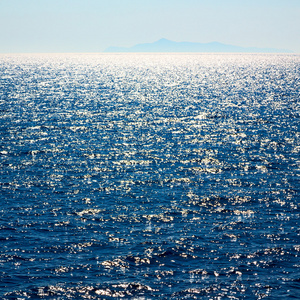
(149, 176)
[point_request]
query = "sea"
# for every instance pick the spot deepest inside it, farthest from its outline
(149, 176)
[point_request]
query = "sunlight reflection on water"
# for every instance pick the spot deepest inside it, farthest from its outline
(171, 176)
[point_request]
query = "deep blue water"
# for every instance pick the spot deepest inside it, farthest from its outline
(149, 176)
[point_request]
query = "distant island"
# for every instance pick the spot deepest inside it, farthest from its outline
(164, 45)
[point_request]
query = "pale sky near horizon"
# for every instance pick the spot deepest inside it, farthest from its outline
(93, 25)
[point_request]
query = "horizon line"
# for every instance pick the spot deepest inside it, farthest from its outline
(155, 52)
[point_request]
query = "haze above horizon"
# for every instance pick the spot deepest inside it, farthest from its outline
(59, 26)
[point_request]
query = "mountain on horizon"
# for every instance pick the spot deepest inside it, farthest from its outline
(164, 45)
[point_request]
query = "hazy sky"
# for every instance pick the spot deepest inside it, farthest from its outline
(93, 25)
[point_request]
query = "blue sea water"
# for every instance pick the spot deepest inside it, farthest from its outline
(141, 176)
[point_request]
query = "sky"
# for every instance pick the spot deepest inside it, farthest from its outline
(47, 26)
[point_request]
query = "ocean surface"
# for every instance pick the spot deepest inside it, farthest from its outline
(141, 176)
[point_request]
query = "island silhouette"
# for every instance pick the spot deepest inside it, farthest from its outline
(165, 45)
